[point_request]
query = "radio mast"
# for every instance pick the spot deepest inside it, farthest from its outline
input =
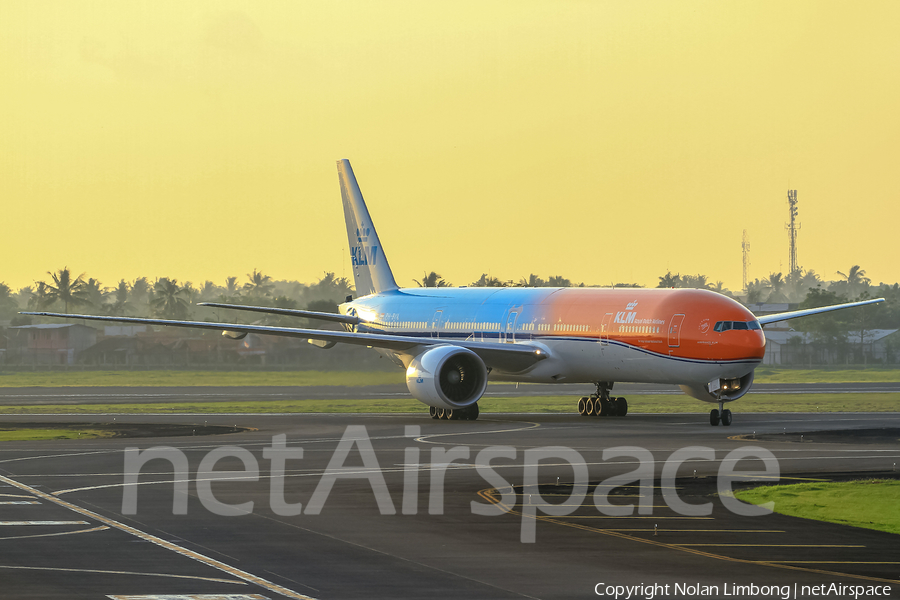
(793, 227)
(745, 247)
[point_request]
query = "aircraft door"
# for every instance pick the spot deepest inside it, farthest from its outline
(604, 329)
(675, 331)
(509, 330)
(436, 323)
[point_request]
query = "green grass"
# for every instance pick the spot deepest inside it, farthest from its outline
(30, 435)
(865, 503)
(529, 404)
(859, 374)
(195, 378)
(356, 378)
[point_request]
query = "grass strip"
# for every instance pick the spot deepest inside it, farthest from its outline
(196, 378)
(30, 435)
(868, 503)
(803, 403)
(861, 374)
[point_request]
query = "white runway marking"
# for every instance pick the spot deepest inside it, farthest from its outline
(213, 579)
(20, 502)
(2, 523)
(211, 562)
(37, 535)
(193, 597)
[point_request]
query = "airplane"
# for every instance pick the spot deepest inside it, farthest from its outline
(452, 340)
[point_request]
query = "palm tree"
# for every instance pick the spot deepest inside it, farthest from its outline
(855, 279)
(558, 281)
(8, 304)
(776, 283)
(432, 280)
(532, 281)
(669, 281)
(96, 295)
(260, 285)
(799, 283)
(67, 290)
(120, 303)
(168, 299)
(231, 287)
(487, 281)
(700, 282)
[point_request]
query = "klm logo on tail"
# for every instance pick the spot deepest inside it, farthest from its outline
(363, 254)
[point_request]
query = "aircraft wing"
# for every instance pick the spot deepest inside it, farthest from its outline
(812, 311)
(293, 312)
(507, 357)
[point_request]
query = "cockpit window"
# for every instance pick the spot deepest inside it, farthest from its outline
(726, 325)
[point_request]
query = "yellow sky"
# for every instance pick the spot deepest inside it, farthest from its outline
(602, 141)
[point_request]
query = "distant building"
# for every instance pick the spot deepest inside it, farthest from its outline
(797, 348)
(54, 344)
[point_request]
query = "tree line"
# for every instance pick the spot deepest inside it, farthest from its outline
(168, 298)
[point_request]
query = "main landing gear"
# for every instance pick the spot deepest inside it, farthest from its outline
(470, 413)
(601, 404)
(721, 414)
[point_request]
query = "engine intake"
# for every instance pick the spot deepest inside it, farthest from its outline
(447, 377)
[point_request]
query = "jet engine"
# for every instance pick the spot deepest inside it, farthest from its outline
(723, 389)
(447, 377)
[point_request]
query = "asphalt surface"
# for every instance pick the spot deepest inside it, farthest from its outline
(64, 532)
(143, 395)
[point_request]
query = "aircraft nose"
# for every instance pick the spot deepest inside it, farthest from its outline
(758, 344)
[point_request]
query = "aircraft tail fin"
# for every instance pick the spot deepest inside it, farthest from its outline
(371, 272)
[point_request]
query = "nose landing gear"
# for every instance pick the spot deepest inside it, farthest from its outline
(721, 414)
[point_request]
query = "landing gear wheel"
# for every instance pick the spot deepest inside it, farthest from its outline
(471, 413)
(590, 407)
(443, 414)
(433, 412)
(714, 416)
(726, 417)
(605, 407)
(582, 406)
(621, 407)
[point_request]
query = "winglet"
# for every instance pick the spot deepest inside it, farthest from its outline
(371, 272)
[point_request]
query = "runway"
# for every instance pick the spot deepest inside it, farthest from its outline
(64, 534)
(144, 395)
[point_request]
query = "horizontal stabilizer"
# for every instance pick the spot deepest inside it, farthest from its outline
(291, 312)
(812, 311)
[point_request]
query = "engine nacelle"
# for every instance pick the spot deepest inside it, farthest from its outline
(724, 389)
(447, 377)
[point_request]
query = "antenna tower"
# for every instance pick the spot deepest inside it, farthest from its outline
(745, 247)
(793, 227)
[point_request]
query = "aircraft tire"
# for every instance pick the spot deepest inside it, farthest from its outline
(605, 408)
(433, 412)
(714, 417)
(621, 407)
(472, 412)
(590, 407)
(726, 417)
(442, 414)
(582, 409)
